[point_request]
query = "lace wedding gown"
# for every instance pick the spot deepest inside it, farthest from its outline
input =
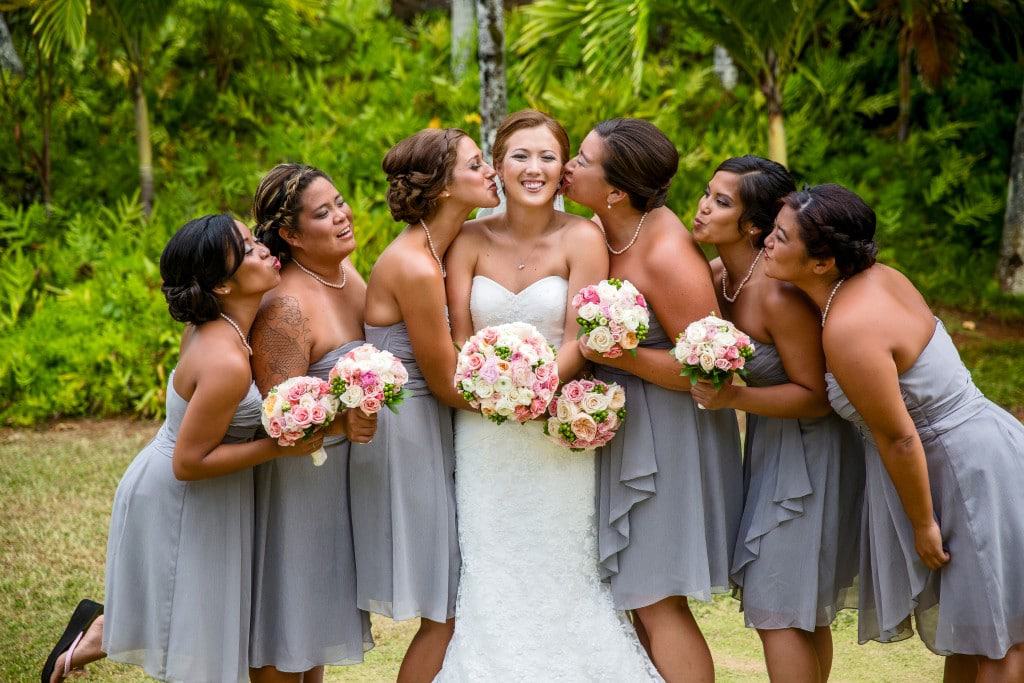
(531, 605)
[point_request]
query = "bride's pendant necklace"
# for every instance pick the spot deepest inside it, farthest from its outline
(307, 271)
(245, 342)
(725, 279)
(522, 262)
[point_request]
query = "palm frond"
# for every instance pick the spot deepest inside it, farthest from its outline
(61, 23)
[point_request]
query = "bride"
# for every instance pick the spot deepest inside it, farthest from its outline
(531, 604)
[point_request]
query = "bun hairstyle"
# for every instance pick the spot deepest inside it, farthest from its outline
(418, 169)
(201, 255)
(835, 222)
(762, 184)
(278, 202)
(639, 160)
(523, 119)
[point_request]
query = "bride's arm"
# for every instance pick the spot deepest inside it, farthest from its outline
(587, 257)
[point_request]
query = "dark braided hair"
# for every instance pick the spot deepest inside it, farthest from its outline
(639, 160)
(835, 222)
(278, 202)
(762, 184)
(418, 168)
(203, 253)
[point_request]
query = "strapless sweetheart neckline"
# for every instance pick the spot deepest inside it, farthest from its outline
(524, 289)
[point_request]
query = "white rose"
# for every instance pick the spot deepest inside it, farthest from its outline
(563, 409)
(589, 311)
(503, 406)
(353, 395)
(504, 385)
(707, 361)
(483, 390)
(618, 398)
(594, 402)
(695, 332)
(606, 291)
(601, 340)
(724, 340)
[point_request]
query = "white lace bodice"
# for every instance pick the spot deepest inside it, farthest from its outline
(541, 303)
(531, 604)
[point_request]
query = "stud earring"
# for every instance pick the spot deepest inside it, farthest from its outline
(609, 205)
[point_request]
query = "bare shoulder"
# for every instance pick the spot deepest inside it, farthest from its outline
(580, 231)
(784, 300)
(280, 308)
(216, 360)
(716, 267)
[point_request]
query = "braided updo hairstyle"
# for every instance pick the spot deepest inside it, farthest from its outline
(762, 184)
(201, 255)
(639, 160)
(835, 222)
(418, 169)
(278, 202)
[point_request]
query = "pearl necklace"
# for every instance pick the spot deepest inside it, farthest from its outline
(307, 271)
(238, 329)
(636, 234)
(828, 304)
(430, 243)
(725, 278)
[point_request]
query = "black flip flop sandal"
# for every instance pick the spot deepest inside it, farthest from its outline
(81, 620)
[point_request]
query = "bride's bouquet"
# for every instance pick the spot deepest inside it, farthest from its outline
(614, 315)
(507, 371)
(712, 349)
(297, 408)
(369, 379)
(586, 414)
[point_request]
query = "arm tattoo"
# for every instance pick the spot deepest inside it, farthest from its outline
(280, 342)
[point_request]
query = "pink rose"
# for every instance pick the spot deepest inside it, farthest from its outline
(572, 391)
(732, 353)
(369, 379)
(302, 417)
(490, 336)
(738, 363)
(538, 406)
(613, 352)
(543, 371)
(693, 359)
(296, 391)
(587, 384)
(723, 364)
(276, 427)
(489, 372)
(590, 295)
(641, 301)
(318, 415)
(371, 405)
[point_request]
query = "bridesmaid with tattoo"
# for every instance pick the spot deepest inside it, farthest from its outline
(304, 603)
(670, 492)
(795, 555)
(403, 489)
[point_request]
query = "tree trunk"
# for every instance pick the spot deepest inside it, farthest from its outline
(1011, 260)
(725, 68)
(490, 22)
(903, 122)
(462, 36)
(8, 55)
(772, 90)
(144, 142)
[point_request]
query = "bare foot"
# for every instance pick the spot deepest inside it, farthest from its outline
(89, 650)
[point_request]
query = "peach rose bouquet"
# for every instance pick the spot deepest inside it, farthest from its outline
(586, 414)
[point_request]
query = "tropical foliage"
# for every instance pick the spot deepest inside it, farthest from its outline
(232, 88)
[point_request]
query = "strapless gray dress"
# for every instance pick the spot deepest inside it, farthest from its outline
(796, 554)
(403, 500)
(975, 453)
(304, 610)
(179, 561)
(670, 493)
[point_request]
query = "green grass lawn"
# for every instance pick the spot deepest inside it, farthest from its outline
(58, 485)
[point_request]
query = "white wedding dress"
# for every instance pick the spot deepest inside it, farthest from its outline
(531, 604)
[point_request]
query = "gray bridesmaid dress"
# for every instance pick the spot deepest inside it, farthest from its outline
(796, 553)
(975, 454)
(179, 561)
(304, 610)
(403, 500)
(669, 493)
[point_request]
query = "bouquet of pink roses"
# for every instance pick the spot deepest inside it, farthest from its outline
(297, 408)
(507, 371)
(586, 414)
(614, 315)
(369, 379)
(712, 349)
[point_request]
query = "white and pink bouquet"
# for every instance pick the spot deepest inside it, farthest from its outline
(369, 379)
(712, 349)
(586, 414)
(507, 371)
(297, 408)
(614, 315)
